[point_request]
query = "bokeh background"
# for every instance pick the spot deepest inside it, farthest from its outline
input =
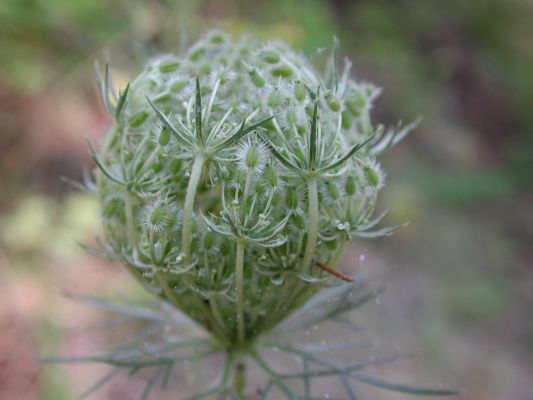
(459, 278)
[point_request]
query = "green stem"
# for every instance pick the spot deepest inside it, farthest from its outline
(239, 379)
(186, 232)
(239, 270)
(273, 316)
(312, 226)
(169, 293)
(130, 219)
(247, 183)
(217, 316)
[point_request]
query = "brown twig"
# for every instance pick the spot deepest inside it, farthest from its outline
(333, 272)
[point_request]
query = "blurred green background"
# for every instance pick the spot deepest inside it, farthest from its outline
(459, 278)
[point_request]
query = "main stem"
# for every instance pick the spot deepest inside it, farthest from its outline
(186, 232)
(239, 379)
(239, 271)
(312, 227)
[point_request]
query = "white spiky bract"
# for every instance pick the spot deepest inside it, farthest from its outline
(232, 170)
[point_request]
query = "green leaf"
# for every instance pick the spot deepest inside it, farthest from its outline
(348, 387)
(348, 154)
(104, 87)
(98, 384)
(335, 56)
(100, 165)
(242, 132)
(177, 134)
(102, 254)
(151, 382)
(121, 101)
(397, 387)
(198, 114)
(333, 368)
(279, 156)
(275, 377)
(266, 390)
(138, 312)
(166, 376)
(307, 381)
(109, 82)
(378, 233)
(312, 139)
(217, 388)
(344, 306)
(392, 137)
(77, 185)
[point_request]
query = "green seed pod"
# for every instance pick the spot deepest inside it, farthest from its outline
(271, 178)
(164, 137)
(256, 78)
(168, 66)
(270, 56)
(350, 186)
(217, 38)
(226, 248)
(333, 102)
(112, 207)
(157, 167)
(292, 199)
(373, 175)
(300, 91)
(274, 99)
(259, 189)
(138, 119)
(333, 191)
(282, 71)
(197, 53)
(346, 120)
(178, 86)
(331, 244)
(157, 215)
(209, 241)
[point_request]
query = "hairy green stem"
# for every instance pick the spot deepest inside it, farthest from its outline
(247, 182)
(186, 232)
(130, 219)
(312, 225)
(239, 379)
(239, 272)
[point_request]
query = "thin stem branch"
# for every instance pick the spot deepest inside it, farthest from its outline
(186, 232)
(312, 225)
(239, 272)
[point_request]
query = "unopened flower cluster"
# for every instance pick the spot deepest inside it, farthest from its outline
(233, 177)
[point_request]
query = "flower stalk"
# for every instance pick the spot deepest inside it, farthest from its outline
(188, 207)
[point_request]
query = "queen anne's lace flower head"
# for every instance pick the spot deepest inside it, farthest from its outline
(233, 174)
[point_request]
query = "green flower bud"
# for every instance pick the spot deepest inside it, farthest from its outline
(235, 148)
